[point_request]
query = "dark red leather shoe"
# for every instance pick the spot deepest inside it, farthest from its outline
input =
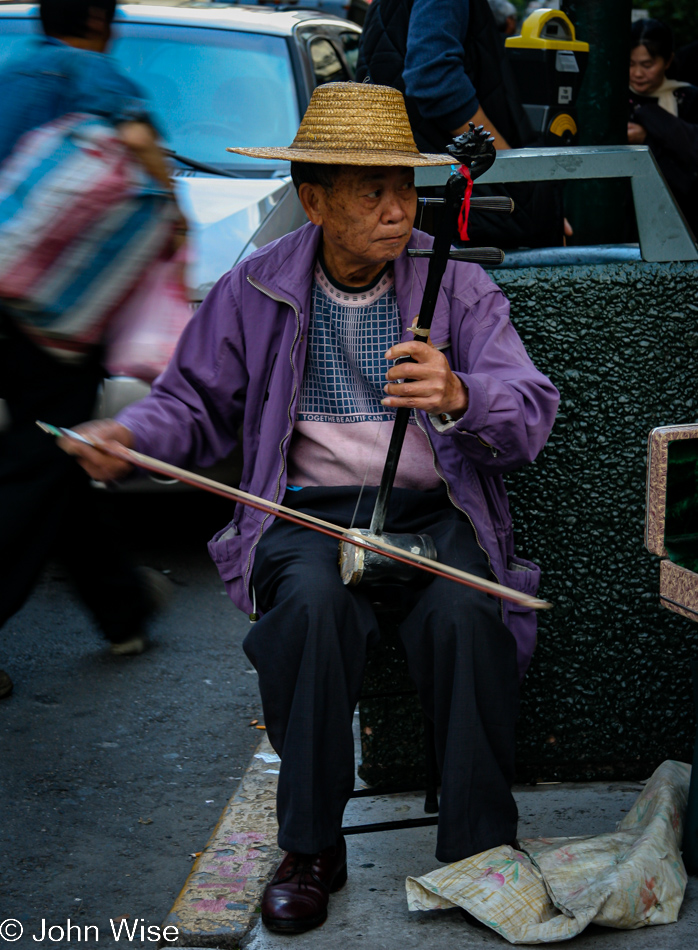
(296, 899)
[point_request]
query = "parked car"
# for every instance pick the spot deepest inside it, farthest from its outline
(354, 10)
(218, 74)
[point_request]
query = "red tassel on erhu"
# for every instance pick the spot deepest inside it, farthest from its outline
(465, 210)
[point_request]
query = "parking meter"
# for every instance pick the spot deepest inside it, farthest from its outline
(549, 62)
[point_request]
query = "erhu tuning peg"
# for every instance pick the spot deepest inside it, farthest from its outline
(476, 255)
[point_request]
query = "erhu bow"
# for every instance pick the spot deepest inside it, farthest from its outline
(295, 517)
(476, 153)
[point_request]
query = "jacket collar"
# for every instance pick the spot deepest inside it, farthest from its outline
(286, 266)
(286, 269)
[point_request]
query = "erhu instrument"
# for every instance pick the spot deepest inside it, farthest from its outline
(475, 153)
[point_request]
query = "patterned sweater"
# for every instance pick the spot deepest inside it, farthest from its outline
(342, 431)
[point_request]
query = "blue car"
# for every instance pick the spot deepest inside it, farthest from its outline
(217, 74)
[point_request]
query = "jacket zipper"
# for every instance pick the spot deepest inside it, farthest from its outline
(495, 452)
(268, 293)
(266, 391)
(455, 505)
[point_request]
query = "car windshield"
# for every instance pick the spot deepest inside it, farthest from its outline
(213, 88)
(208, 88)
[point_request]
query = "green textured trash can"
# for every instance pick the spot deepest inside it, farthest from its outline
(608, 694)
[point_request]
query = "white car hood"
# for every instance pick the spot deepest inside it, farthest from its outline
(224, 215)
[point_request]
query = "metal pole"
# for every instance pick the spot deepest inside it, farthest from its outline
(598, 210)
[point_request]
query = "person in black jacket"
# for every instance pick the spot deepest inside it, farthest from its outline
(447, 58)
(664, 113)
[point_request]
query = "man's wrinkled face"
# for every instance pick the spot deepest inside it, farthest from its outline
(367, 215)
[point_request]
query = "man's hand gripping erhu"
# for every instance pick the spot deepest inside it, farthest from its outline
(476, 153)
(379, 545)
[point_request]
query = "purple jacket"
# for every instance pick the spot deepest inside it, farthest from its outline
(241, 359)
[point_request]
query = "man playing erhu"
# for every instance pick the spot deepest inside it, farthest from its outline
(297, 344)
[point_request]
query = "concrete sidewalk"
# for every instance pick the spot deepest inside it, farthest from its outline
(371, 910)
(219, 904)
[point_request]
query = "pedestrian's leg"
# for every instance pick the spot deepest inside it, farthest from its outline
(463, 660)
(47, 507)
(309, 649)
(35, 476)
(91, 547)
(31, 508)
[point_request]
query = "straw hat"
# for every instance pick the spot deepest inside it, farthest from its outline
(353, 123)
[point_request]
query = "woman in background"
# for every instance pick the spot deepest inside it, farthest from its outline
(664, 113)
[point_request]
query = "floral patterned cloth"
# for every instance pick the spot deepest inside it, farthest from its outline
(554, 887)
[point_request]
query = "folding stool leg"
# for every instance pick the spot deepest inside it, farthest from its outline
(431, 800)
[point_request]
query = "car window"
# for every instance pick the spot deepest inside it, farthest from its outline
(213, 88)
(350, 42)
(327, 65)
(207, 88)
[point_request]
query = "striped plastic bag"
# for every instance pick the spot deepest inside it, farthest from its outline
(143, 336)
(81, 221)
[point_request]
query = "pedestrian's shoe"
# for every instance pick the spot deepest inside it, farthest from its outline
(158, 590)
(134, 646)
(5, 684)
(297, 897)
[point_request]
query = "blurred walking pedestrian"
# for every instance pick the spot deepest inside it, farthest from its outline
(47, 507)
(664, 113)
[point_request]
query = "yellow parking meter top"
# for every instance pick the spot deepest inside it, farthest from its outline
(547, 29)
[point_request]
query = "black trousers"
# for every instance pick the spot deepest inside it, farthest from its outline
(47, 507)
(309, 649)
